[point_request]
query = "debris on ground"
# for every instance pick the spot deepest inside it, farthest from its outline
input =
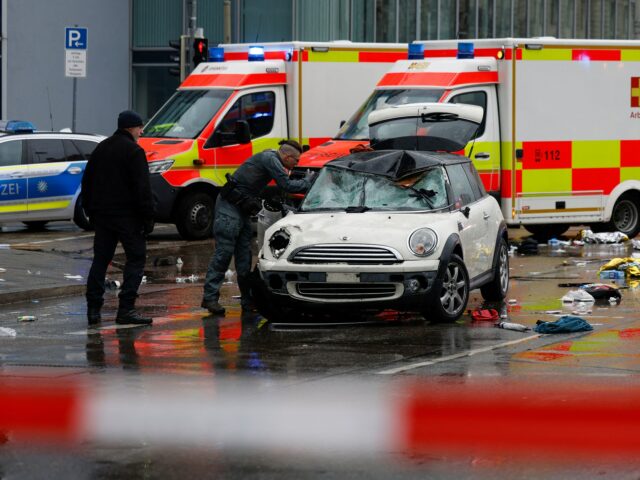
(7, 332)
(164, 261)
(512, 326)
(602, 293)
(620, 268)
(228, 276)
(529, 246)
(603, 237)
(636, 244)
(27, 318)
(578, 296)
(111, 284)
(189, 279)
(565, 324)
(68, 276)
(484, 315)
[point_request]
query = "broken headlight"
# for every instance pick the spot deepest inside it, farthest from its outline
(279, 242)
(423, 242)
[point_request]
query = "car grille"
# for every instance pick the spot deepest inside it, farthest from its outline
(346, 291)
(350, 254)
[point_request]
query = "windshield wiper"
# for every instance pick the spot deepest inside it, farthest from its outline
(357, 209)
(424, 195)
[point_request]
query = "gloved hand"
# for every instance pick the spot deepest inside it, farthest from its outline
(149, 225)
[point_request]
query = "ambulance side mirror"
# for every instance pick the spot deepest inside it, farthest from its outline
(241, 135)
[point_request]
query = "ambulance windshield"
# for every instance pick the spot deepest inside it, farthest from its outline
(356, 128)
(186, 113)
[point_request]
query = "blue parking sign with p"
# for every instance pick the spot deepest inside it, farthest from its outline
(75, 38)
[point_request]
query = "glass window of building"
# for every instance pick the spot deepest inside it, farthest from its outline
(152, 86)
(266, 24)
(581, 20)
(595, 19)
(385, 20)
(551, 18)
(536, 18)
(155, 22)
(622, 19)
(520, 18)
(567, 18)
(485, 18)
(609, 19)
(407, 21)
(467, 19)
(362, 20)
(429, 15)
(504, 22)
(448, 20)
(211, 20)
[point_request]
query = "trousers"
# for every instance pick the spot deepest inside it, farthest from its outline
(232, 232)
(109, 230)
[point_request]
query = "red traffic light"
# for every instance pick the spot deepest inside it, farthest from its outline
(200, 51)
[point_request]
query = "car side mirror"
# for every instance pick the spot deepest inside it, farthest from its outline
(240, 135)
(465, 211)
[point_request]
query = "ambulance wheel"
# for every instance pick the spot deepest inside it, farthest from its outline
(194, 216)
(545, 232)
(36, 226)
(625, 216)
(80, 217)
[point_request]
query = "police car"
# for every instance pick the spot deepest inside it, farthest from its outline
(40, 174)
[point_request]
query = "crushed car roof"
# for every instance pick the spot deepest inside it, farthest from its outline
(395, 164)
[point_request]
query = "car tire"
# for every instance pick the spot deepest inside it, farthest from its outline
(497, 288)
(36, 225)
(194, 216)
(542, 233)
(625, 216)
(80, 217)
(450, 292)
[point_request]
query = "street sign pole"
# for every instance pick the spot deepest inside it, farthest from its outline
(75, 44)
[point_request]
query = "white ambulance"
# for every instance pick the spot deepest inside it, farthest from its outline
(243, 101)
(559, 143)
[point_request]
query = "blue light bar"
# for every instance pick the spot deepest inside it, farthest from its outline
(465, 50)
(256, 53)
(216, 54)
(17, 126)
(416, 51)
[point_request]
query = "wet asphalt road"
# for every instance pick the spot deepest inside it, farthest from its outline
(185, 342)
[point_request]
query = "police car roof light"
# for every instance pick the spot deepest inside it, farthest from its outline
(416, 51)
(256, 53)
(17, 126)
(465, 50)
(216, 54)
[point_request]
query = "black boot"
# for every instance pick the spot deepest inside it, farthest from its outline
(131, 317)
(93, 315)
(246, 299)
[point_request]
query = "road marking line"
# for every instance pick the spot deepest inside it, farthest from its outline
(468, 353)
(63, 239)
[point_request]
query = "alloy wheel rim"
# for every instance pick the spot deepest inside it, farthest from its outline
(453, 289)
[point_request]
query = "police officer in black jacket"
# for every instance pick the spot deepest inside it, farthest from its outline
(116, 194)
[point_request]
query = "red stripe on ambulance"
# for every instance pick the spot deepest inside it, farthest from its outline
(177, 178)
(596, 55)
(605, 179)
(543, 155)
(381, 56)
(234, 80)
(630, 153)
(437, 79)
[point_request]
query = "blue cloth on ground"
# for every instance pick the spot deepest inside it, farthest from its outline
(565, 324)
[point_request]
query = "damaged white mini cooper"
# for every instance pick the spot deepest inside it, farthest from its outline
(407, 226)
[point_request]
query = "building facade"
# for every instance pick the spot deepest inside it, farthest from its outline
(130, 62)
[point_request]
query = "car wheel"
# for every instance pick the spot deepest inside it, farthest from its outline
(80, 217)
(625, 216)
(36, 226)
(543, 233)
(194, 216)
(450, 292)
(497, 288)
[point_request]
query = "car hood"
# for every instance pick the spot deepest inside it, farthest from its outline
(372, 228)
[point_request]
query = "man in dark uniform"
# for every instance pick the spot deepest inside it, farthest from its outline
(116, 194)
(237, 202)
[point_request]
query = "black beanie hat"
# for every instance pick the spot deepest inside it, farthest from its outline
(129, 119)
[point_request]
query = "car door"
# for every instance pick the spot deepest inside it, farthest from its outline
(53, 179)
(13, 180)
(472, 228)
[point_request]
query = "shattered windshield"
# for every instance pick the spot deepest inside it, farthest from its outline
(357, 128)
(186, 113)
(340, 189)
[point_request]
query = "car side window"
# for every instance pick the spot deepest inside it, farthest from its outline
(85, 148)
(463, 193)
(11, 153)
(474, 180)
(46, 150)
(478, 98)
(256, 108)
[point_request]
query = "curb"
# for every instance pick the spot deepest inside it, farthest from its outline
(41, 293)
